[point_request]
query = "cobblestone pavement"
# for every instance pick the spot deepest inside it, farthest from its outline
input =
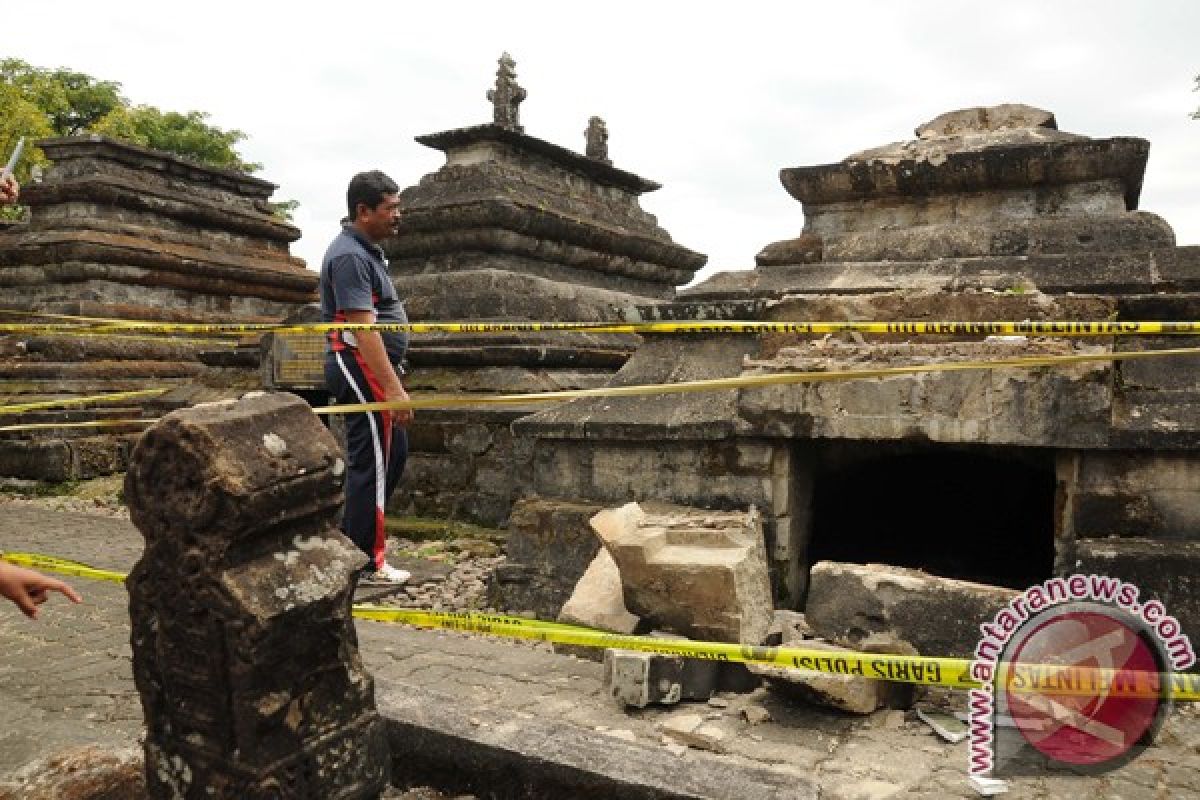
(65, 680)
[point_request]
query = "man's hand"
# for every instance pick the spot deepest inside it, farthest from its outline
(28, 589)
(9, 190)
(370, 344)
(400, 416)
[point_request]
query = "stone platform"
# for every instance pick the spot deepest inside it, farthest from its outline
(513, 709)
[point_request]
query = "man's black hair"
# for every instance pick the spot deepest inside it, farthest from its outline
(368, 188)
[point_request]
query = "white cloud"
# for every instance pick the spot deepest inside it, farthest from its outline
(710, 99)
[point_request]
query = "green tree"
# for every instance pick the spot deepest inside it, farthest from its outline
(187, 134)
(72, 101)
(1196, 113)
(37, 102)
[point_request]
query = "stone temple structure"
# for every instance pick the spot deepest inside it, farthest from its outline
(119, 231)
(514, 228)
(1005, 476)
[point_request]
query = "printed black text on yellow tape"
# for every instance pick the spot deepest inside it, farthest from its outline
(714, 384)
(932, 328)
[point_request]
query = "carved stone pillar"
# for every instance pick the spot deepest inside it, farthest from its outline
(244, 650)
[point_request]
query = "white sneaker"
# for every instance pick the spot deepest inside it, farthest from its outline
(387, 575)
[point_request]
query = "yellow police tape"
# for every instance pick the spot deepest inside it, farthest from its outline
(752, 381)
(43, 329)
(682, 387)
(911, 327)
(20, 408)
(94, 423)
(953, 673)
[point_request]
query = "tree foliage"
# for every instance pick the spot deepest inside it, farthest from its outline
(1196, 113)
(37, 103)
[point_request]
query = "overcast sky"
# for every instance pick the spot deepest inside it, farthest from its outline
(709, 99)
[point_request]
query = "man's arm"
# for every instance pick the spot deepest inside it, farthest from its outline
(28, 589)
(370, 344)
(10, 190)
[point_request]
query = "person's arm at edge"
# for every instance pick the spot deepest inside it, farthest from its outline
(10, 190)
(27, 588)
(370, 344)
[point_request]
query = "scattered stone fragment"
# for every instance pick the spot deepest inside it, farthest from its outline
(756, 715)
(82, 773)
(787, 626)
(676, 749)
(638, 679)
(694, 731)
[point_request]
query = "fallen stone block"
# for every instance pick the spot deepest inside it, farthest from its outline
(702, 574)
(850, 692)
(787, 626)
(597, 602)
(635, 678)
(938, 616)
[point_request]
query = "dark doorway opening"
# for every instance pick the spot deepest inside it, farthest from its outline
(977, 514)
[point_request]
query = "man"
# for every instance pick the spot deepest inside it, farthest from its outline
(364, 366)
(26, 588)
(9, 190)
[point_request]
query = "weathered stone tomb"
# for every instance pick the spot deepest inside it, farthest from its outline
(516, 229)
(1004, 476)
(117, 231)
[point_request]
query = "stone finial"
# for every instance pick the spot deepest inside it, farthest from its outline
(597, 140)
(507, 96)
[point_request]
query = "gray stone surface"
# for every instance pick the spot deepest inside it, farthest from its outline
(1064, 406)
(939, 616)
(66, 680)
(534, 207)
(1167, 571)
(118, 231)
(998, 181)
